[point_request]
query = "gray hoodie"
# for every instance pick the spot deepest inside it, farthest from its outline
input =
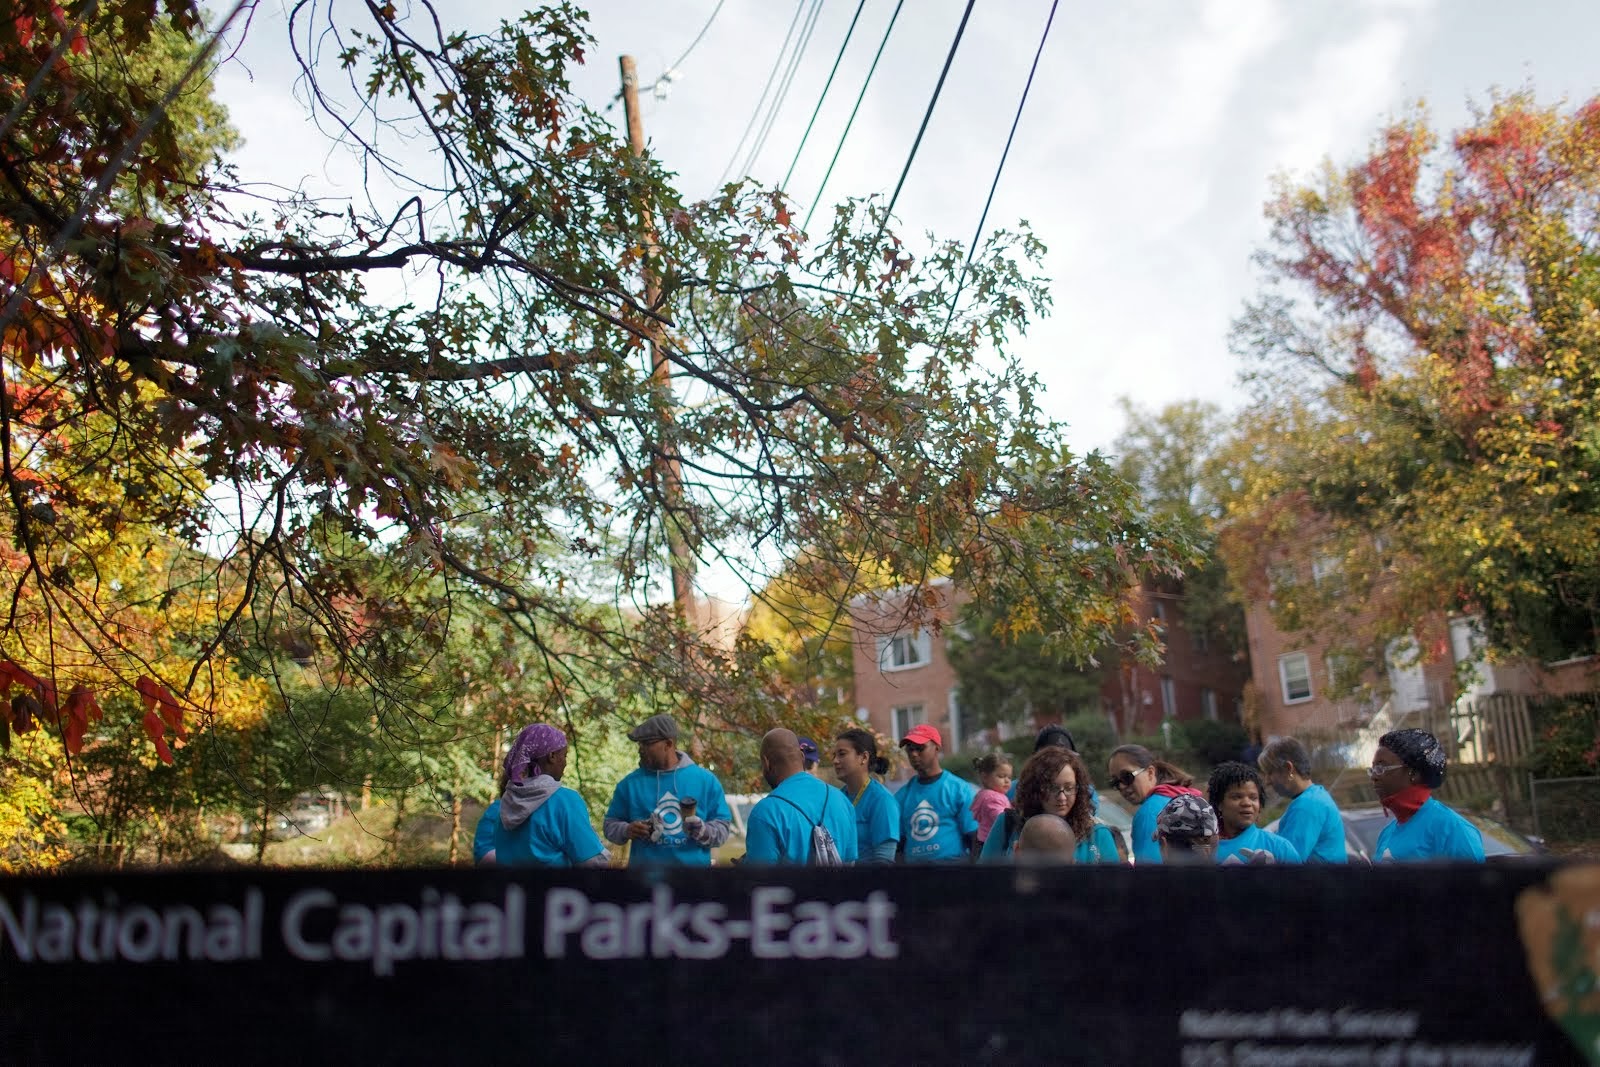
(708, 832)
(522, 799)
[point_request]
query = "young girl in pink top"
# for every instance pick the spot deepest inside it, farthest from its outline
(994, 772)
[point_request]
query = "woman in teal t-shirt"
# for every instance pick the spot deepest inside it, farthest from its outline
(1054, 781)
(1236, 792)
(538, 822)
(1408, 767)
(877, 813)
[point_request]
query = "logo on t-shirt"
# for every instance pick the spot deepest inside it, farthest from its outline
(924, 822)
(670, 814)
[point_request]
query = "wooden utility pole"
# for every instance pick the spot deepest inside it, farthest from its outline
(671, 472)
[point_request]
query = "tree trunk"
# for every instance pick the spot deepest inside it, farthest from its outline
(455, 828)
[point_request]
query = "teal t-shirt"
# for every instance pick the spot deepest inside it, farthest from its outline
(1099, 847)
(557, 834)
(1255, 839)
(779, 828)
(1145, 847)
(643, 793)
(934, 816)
(1311, 823)
(483, 835)
(1435, 832)
(877, 816)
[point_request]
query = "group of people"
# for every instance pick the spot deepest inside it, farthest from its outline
(673, 811)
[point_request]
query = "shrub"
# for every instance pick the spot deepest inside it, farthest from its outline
(1566, 741)
(1212, 740)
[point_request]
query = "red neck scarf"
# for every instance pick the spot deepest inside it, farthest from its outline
(1404, 804)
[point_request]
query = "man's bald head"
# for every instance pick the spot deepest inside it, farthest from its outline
(1046, 840)
(780, 755)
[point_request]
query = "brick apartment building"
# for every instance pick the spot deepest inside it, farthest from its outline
(903, 675)
(1296, 676)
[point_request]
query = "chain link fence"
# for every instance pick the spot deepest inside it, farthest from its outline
(1565, 810)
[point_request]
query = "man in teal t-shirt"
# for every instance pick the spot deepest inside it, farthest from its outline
(781, 825)
(936, 821)
(1311, 823)
(651, 806)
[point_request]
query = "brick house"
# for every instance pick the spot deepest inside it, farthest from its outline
(1195, 680)
(1302, 687)
(903, 675)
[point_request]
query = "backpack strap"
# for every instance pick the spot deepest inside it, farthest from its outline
(803, 815)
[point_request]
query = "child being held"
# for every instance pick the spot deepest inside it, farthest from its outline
(994, 773)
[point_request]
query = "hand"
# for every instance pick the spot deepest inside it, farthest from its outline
(638, 829)
(692, 825)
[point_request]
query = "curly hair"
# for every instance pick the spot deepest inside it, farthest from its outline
(1039, 774)
(1230, 774)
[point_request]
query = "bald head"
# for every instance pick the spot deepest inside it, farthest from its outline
(1046, 840)
(780, 755)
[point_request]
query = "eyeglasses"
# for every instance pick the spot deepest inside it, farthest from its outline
(1378, 770)
(1125, 779)
(916, 748)
(1053, 790)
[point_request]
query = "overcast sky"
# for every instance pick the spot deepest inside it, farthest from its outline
(1146, 152)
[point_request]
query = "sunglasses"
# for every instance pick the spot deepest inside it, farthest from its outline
(1378, 770)
(1125, 778)
(915, 748)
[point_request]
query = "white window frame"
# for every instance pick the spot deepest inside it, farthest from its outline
(1208, 703)
(1283, 677)
(953, 707)
(902, 717)
(914, 649)
(1169, 697)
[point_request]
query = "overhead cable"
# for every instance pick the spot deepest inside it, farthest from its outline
(761, 103)
(926, 116)
(853, 111)
(825, 87)
(977, 234)
(672, 71)
(783, 87)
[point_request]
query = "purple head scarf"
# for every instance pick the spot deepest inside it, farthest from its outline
(532, 747)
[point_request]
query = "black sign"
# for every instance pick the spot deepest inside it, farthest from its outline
(1269, 967)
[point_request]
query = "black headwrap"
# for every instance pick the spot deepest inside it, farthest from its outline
(1420, 751)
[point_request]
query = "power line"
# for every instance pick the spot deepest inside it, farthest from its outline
(977, 234)
(783, 88)
(825, 87)
(672, 70)
(676, 63)
(760, 103)
(926, 116)
(853, 111)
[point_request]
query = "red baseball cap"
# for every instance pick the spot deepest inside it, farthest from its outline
(921, 735)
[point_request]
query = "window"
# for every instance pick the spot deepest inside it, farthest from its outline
(1169, 697)
(1202, 643)
(1161, 613)
(1325, 565)
(1208, 703)
(904, 717)
(904, 651)
(1294, 676)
